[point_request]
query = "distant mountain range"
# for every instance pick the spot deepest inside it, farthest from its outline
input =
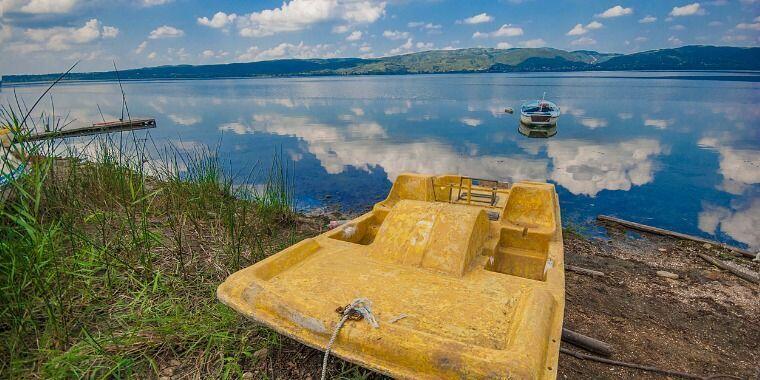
(473, 60)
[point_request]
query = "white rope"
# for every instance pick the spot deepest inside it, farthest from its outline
(362, 306)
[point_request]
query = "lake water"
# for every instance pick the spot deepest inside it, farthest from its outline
(674, 150)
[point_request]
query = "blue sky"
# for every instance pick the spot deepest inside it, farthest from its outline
(38, 36)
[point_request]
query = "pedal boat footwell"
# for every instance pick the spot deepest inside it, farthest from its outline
(476, 266)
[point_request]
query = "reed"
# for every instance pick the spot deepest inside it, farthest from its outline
(111, 251)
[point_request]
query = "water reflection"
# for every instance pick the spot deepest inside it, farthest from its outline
(620, 149)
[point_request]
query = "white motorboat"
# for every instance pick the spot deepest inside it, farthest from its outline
(539, 113)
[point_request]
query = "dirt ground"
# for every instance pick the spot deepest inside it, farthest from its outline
(706, 322)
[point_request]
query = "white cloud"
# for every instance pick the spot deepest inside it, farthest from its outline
(354, 36)
(647, 19)
(141, 47)
(747, 26)
(210, 54)
(110, 32)
(424, 45)
(507, 30)
(6, 32)
(59, 38)
(478, 19)
(583, 41)
(152, 55)
(153, 3)
(288, 50)
(615, 11)
(471, 121)
(340, 29)
(297, 15)
(534, 43)
(503, 45)
(587, 168)
(406, 47)
(40, 6)
(640, 39)
(687, 10)
(395, 35)
(675, 40)
(219, 20)
(579, 29)
(677, 27)
(166, 31)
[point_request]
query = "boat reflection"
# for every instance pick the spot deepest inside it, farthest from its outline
(537, 131)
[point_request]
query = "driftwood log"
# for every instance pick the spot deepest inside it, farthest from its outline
(664, 232)
(590, 272)
(586, 342)
(737, 270)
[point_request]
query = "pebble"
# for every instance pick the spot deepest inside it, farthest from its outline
(247, 375)
(707, 246)
(662, 249)
(666, 274)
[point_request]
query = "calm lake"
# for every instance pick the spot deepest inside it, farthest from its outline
(674, 150)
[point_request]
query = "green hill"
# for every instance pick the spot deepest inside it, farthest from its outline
(447, 61)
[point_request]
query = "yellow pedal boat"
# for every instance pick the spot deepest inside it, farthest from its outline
(465, 277)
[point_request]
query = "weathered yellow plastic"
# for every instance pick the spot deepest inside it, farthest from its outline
(477, 268)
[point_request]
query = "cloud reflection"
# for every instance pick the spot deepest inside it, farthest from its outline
(338, 148)
(742, 224)
(588, 168)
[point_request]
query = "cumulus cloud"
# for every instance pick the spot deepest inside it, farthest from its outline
(503, 45)
(588, 168)
(165, 31)
(749, 26)
(219, 20)
(677, 27)
(60, 38)
(340, 29)
(141, 47)
(673, 40)
(647, 19)
(288, 50)
(354, 36)
(741, 223)
(395, 35)
(478, 19)
(687, 10)
(297, 15)
(153, 3)
(340, 148)
(534, 43)
(615, 11)
(38, 6)
(579, 29)
(506, 30)
(211, 54)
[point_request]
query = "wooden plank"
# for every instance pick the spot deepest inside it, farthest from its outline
(662, 231)
(96, 128)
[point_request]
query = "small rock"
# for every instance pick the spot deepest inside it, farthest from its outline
(247, 375)
(707, 246)
(666, 274)
(174, 363)
(662, 249)
(164, 378)
(261, 353)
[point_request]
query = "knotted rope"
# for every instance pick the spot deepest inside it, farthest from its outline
(358, 309)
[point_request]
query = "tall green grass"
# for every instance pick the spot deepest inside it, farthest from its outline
(109, 259)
